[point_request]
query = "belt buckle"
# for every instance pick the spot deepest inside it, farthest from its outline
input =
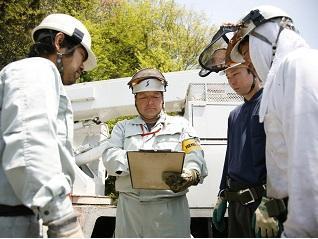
(251, 194)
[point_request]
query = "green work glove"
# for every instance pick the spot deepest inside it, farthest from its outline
(218, 214)
(264, 225)
(180, 182)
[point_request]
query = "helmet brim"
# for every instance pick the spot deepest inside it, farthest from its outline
(236, 65)
(91, 61)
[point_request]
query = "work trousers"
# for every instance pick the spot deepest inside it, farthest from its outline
(169, 217)
(240, 219)
(20, 226)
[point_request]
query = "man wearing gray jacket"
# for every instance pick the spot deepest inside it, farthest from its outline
(37, 163)
(147, 212)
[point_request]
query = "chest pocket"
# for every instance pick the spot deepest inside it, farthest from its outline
(169, 139)
(133, 139)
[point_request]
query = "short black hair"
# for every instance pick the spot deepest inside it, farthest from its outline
(44, 43)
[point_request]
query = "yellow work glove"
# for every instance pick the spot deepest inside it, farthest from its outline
(180, 182)
(264, 225)
(218, 214)
(67, 226)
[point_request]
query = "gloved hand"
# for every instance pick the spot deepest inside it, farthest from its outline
(67, 226)
(264, 225)
(180, 182)
(218, 214)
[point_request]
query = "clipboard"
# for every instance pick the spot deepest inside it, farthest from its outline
(146, 167)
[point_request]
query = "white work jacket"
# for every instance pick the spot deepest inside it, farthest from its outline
(168, 133)
(289, 108)
(291, 126)
(37, 163)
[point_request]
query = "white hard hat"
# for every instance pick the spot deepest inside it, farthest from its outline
(148, 79)
(253, 19)
(71, 27)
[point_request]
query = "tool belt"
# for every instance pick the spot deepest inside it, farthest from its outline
(242, 193)
(276, 207)
(13, 211)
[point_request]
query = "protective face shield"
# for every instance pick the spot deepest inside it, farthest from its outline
(251, 21)
(222, 63)
(210, 58)
(148, 80)
(217, 62)
(73, 28)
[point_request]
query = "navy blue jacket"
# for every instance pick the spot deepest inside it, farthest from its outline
(245, 154)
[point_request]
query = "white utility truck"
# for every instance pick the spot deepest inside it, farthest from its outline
(205, 102)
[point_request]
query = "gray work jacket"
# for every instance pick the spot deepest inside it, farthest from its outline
(36, 120)
(127, 135)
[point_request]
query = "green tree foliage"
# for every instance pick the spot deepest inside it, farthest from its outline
(19, 17)
(111, 123)
(150, 33)
(127, 34)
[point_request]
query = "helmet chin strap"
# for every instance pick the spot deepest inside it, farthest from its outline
(253, 85)
(285, 23)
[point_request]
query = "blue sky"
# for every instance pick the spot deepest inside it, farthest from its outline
(303, 12)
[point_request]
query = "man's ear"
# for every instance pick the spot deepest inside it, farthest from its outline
(59, 38)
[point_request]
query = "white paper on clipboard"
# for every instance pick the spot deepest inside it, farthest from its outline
(146, 167)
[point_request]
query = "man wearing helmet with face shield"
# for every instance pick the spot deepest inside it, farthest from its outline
(244, 172)
(145, 212)
(37, 163)
(289, 109)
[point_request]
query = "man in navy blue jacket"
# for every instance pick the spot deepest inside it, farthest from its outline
(244, 172)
